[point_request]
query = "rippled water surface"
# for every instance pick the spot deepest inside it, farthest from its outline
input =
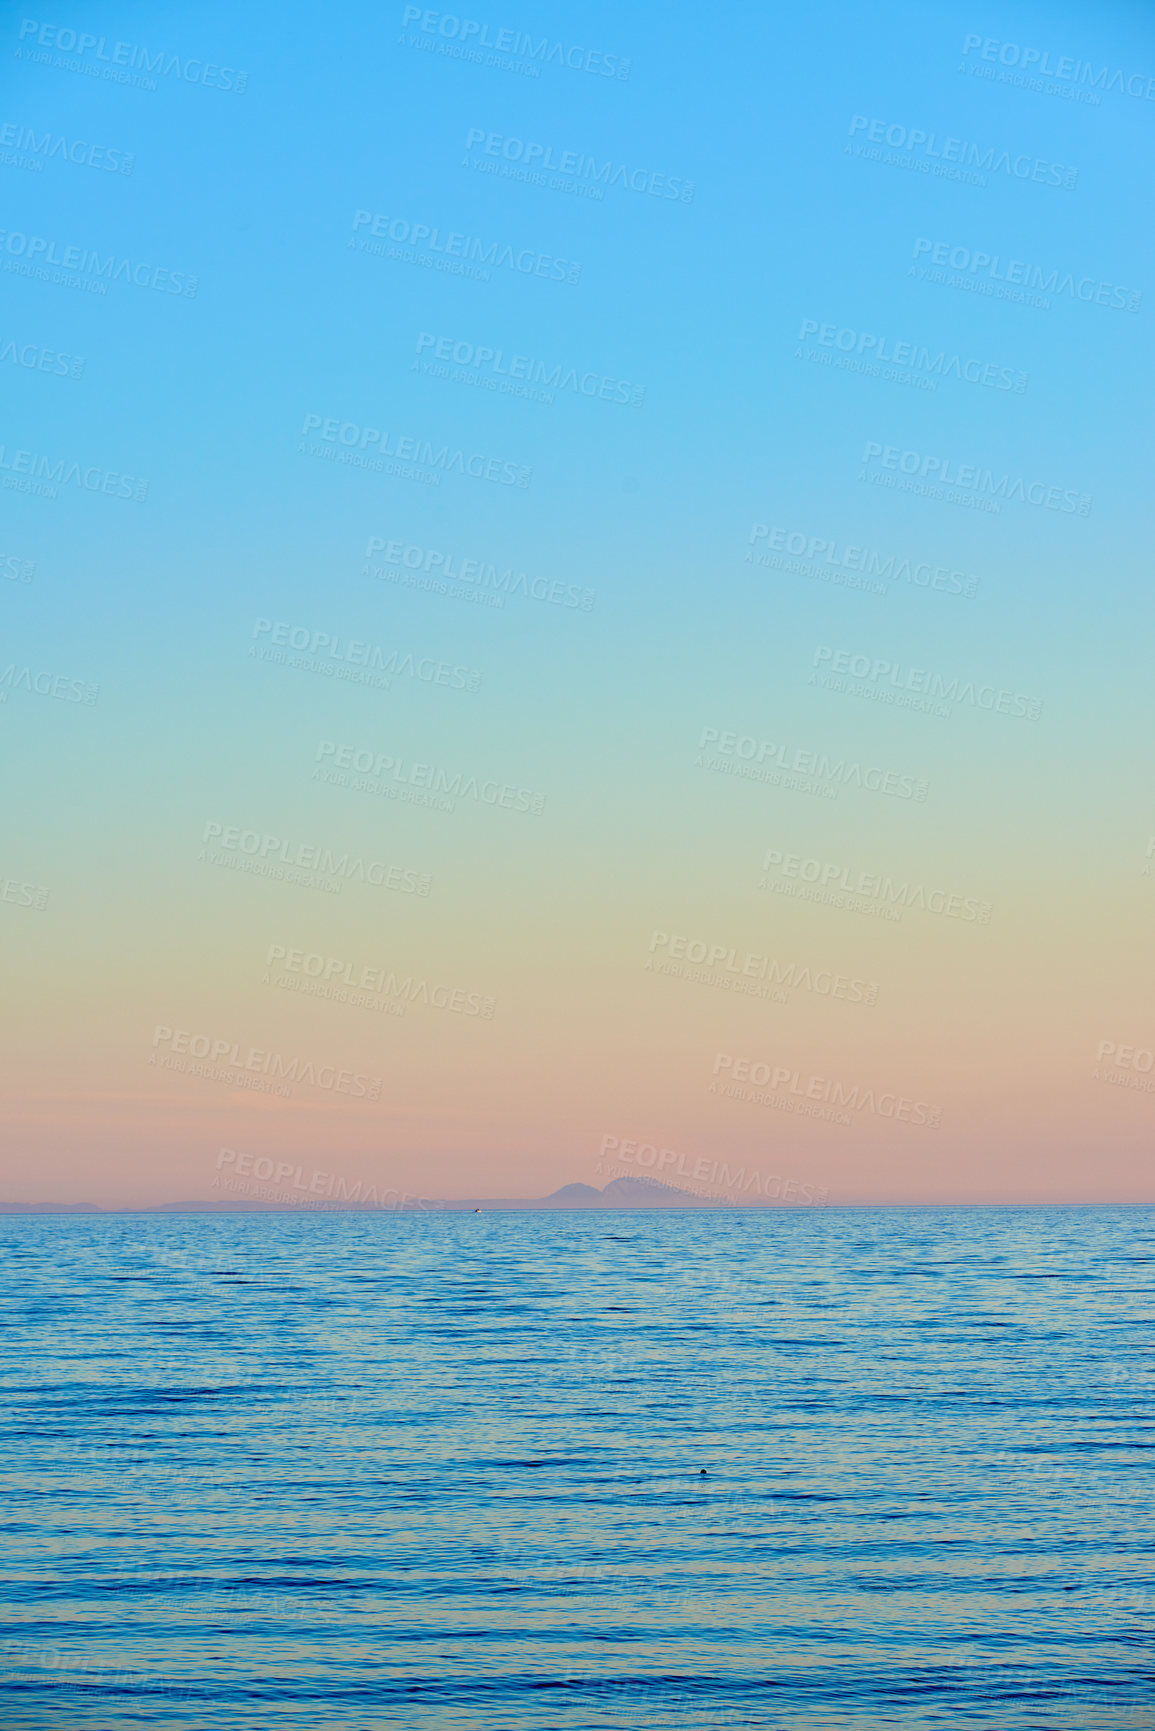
(827, 1470)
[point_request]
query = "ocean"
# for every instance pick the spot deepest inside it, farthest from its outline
(820, 1469)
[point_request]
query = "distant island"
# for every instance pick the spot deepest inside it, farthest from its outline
(638, 1192)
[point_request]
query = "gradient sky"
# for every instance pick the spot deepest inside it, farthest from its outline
(1027, 1036)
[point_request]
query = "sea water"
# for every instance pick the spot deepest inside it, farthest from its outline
(819, 1469)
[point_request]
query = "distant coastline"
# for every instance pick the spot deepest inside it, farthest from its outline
(620, 1193)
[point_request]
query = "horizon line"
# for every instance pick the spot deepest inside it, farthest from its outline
(535, 1205)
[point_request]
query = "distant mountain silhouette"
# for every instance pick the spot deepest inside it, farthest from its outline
(640, 1192)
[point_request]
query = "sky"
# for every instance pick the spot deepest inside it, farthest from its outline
(576, 602)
